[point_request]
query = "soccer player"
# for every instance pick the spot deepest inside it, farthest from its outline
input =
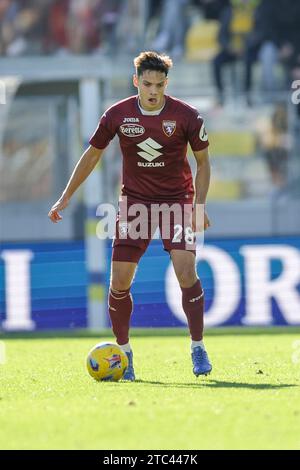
(154, 130)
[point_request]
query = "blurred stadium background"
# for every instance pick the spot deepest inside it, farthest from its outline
(62, 64)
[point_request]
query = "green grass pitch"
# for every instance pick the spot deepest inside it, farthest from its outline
(250, 401)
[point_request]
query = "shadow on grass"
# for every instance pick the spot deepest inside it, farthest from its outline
(210, 383)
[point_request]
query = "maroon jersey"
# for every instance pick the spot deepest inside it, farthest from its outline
(154, 148)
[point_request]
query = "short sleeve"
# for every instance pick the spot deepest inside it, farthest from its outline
(105, 131)
(197, 135)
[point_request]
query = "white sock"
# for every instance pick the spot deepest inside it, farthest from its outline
(195, 344)
(125, 347)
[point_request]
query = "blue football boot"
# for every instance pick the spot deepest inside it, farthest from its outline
(129, 374)
(201, 363)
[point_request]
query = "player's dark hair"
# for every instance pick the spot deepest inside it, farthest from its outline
(150, 60)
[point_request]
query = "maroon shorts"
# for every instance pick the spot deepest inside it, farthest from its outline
(137, 223)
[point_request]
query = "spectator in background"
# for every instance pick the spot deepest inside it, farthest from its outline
(8, 12)
(83, 27)
(172, 28)
(131, 26)
(274, 141)
(109, 12)
(262, 44)
(51, 26)
(57, 32)
(231, 37)
(287, 15)
(274, 39)
(154, 7)
(211, 8)
(23, 26)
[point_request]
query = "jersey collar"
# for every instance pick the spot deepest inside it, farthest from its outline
(151, 113)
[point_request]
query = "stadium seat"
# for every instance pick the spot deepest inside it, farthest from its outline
(232, 143)
(201, 41)
(225, 190)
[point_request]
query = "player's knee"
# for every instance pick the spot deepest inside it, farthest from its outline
(120, 282)
(187, 277)
(122, 275)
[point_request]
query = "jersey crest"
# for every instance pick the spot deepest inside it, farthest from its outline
(169, 127)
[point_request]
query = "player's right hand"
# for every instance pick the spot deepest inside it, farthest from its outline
(60, 205)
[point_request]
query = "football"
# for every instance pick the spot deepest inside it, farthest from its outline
(107, 362)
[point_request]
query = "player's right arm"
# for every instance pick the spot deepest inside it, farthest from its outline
(104, 133)
(84, 167)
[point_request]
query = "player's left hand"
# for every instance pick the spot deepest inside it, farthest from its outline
(60, 205)
(200, 223)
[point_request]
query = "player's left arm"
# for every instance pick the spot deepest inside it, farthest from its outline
(200, 220)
